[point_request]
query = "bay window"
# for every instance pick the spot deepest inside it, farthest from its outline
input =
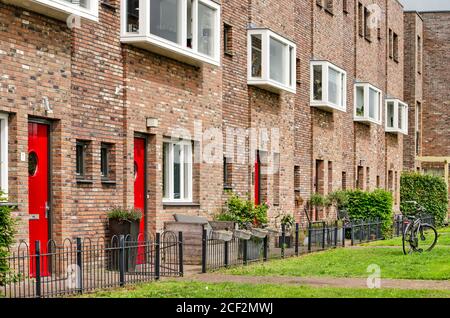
(61, 9)
(396, 116)
(368, 100)
(4, 153)
(177, 171)
(328, 86)
(185, 30)
(271, 61)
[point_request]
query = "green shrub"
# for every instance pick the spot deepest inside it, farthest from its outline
(7, 232)
(428, 191)
(244, 212)
(361, 205)
(121, 214)
(318, 200)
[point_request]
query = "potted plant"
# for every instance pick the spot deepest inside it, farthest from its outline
(124, 222)
(250, 220)
(288, 222)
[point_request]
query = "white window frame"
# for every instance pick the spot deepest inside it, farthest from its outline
(4, 152)
(324, 103)
(143, 38)
(62, 8)
(182, 143)
(289, 61)
(398, 105)
(366, 117)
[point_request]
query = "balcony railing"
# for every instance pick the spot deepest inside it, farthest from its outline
(61, 9)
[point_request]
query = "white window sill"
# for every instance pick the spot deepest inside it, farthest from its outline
(180, 204)
(58, 9)
(327, 106)
(272, 86)
(395, 131)
(168, 49)
(366, 120)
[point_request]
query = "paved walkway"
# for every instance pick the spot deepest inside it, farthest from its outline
(319, 281)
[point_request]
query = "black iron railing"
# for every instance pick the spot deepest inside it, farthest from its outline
(81, 265)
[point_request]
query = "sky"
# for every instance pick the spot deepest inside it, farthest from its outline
(426, 5)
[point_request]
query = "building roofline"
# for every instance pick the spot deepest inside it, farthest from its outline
(414, 12)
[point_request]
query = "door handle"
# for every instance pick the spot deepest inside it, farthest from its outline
(47, 208)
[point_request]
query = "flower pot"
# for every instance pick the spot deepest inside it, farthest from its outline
(254, 249)
(287, 241)
(222, 235)
(130, 230)
(271, 231)
(242, 234)
(259, 233)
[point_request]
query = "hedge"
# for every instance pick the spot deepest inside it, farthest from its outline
(429, 191)
(363, 205)
(7, 232)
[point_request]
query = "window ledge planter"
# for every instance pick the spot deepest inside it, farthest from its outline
(243, 234)
(225, 236)
(259, 233)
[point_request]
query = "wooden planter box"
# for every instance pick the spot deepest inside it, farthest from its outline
(131, 232)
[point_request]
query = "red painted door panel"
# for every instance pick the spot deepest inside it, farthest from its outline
(257, 179)
(139, 189)
(38, 191)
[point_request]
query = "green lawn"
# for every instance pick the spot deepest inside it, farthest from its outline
(186, 289)
(443, 240)
(353, 262)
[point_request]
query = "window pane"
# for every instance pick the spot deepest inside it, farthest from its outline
(132, 16)
(390, 114)
(373, 104)
(206, 29)
(187, 171)
(256, 56)
(277, 69)
(333, 86)
(104, 161)
(166, 168)
(400, 116)
(360, 101)
(79, 160)
(164, 19)
(343, 92)
(176, 171)
(317, 87)
(189, 23)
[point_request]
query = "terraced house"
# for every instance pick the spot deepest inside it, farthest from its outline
(169, 105)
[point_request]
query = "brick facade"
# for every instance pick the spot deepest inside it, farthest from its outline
(102, 91)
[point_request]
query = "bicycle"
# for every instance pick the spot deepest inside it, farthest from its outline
(418, 236)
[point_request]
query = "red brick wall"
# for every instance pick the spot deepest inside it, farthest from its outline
(436, 95)
(413, 88)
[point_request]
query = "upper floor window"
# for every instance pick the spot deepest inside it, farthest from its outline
(61, 9)
(4, 153)
(177, 171)
(419, 54)
(367, 103)
(186, 30)
(396, 116)
(271, 61)
(328, 86)
(395, 46)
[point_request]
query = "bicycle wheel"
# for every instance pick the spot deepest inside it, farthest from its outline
(408, 248)
(427, 237)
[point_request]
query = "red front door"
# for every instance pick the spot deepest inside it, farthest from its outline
(257, 179)
(139, 189)
(38, 191)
